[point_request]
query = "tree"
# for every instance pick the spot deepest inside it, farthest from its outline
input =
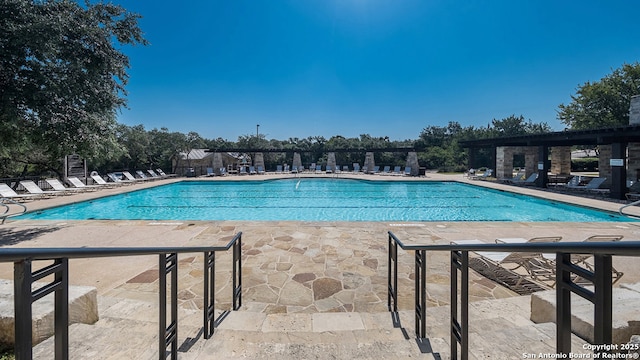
(62, 75)
(604, 103)
(517, 125)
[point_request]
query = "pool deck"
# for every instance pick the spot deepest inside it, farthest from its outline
(293, 267)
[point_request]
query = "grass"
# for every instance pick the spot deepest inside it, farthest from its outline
(6, 353)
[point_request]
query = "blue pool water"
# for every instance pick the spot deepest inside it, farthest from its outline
(323, 200)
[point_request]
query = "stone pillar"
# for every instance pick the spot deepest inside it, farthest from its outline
(531, 159)
(604, 167)
(412, 162)
(504, 162)
(633, 169)
(561, 160)
(369, 162)
(331, 160)
(259, 161)
(634, 110)
(297, 162)
(217, 163)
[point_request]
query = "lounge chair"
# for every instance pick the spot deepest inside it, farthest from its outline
(243, 170)
(130, 177)
(210, 172)
(33, 188)
(529, 181)
(487, 174)
(75, 182)
(162, 173)
(583, 260)
(100, 181)
(278, 169)
(501, 266)
(58, 186)
(407, 171)
(356, 168)
(223, 171)
(396, 170)
(519, 176)
(116, 179)
(142, 175)
(592, 185)
(345, 168)
(318, 169)
(252, 170)
(329, 169)
(386, 170)
(9, 193)
(294, 169)
(260, 170)
(154, 175)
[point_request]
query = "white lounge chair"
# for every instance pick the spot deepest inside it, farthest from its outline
(100, 181)
(59, 186)
(9, 193)
(74, 181)
(33, 188)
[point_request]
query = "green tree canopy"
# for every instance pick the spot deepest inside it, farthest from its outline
(62, 75)
(603, 103)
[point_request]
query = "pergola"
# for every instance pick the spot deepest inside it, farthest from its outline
(412, 158)
(617, 145)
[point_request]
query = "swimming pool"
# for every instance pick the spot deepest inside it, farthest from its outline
(323, 200)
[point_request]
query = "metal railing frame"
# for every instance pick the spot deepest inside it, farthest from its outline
(566, 273)
(25, 277)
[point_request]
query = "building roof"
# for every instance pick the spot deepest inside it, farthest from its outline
(604, 136)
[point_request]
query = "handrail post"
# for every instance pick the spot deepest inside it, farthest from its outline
(61, 317)
(24, 298)
(603, 322)
(563, 303)
(168, 335)
(22, 281)
(237, 273)
(209, 293)
(460, 325)
(420, 293)
(392, 276)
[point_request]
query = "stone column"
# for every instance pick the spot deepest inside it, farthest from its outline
(369, 162)
(297, 162)
(634, 110)
(504, 162)
(561, 160)
(604, 167)
(412, 162)
(331, 160)
(217, 163)
(259, 161)
(531, 160)
(633, 169)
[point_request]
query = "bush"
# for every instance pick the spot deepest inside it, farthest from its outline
(584, 164)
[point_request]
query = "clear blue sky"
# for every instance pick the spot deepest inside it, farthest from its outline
(304, 68)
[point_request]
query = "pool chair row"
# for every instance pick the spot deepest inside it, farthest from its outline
(525, 272)
(29, 190)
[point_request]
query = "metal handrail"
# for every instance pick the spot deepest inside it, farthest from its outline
(25, 278)
(3, 201)
(565, 273)
(637, 202)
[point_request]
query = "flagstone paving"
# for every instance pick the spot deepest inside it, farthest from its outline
(289, 267)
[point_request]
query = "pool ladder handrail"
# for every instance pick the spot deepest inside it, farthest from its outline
(637, 202)
(3, 202)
